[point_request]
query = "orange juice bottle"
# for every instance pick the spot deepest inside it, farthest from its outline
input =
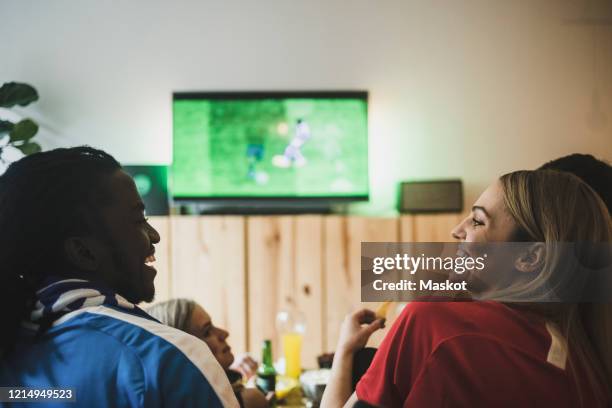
(292, 347)
(291, 325)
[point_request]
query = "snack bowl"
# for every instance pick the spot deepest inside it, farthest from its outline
(314, 382)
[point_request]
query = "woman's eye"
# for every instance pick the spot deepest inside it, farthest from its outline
(476, 222)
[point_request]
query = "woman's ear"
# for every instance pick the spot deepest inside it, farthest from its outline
(532, 258)
(82, 252)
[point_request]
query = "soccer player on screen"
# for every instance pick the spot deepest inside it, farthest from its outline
(293, 151)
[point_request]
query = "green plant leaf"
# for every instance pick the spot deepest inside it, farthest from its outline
(29, 148)
(16, 93)
(6, 126)
(23, 131)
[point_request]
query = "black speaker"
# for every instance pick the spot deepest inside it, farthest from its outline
(431, 196)
(152, 185)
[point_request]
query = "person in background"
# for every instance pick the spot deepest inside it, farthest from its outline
(76, 256)
(596, 173)
(489, 353)
(188, 316)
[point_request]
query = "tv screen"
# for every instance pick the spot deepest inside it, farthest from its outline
(270, 145)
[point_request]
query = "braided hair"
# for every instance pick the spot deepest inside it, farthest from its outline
(45, 198)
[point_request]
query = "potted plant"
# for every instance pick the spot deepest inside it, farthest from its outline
(18, 135)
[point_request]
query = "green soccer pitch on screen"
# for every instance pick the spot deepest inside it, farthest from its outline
(270, 145)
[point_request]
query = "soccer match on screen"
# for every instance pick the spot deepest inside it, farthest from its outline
(274, 147)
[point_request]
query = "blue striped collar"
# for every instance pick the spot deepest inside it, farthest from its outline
(60, 296)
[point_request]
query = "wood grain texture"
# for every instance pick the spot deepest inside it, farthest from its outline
(270, 277)
(342, 267)
(406, 228)
(208, 263)
(435, 227)
(309, 289)
(285, 273)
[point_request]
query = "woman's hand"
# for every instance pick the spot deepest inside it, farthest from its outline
(356, 329)
(245, 365)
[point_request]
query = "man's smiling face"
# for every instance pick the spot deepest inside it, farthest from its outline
(126, 241)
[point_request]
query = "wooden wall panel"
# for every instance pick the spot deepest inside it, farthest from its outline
(271, 279)
(310, 289)
(163, 251)
(284, 272)
(342, 260)
(406, 228)
(435, 227)
(208, 263)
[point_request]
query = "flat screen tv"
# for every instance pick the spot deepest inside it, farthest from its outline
(270, 145)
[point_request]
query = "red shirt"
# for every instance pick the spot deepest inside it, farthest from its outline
(470, 354)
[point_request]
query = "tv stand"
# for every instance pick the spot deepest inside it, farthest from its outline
(256, 207)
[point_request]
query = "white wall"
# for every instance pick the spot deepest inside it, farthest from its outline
(459, 88)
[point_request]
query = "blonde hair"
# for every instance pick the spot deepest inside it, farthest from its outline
(556, 207)
(174, 313)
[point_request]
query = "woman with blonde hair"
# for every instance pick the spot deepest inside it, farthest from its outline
(186, 315)
(536, 352)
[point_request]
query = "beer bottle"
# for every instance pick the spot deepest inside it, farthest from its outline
(266, 374)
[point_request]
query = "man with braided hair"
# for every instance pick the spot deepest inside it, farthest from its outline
(76, 256)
